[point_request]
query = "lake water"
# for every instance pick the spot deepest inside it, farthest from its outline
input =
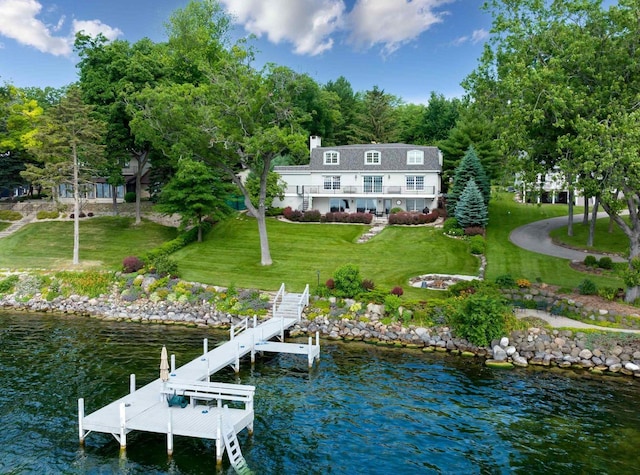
(363, 409)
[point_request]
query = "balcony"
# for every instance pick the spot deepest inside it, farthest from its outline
(350, 190)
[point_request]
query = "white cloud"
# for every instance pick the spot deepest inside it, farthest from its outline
(307, 24)
(20, 23)
(392, 23)
(476, 37)
(94, 27)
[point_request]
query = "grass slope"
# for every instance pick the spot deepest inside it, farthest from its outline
(604, 241)
(506, 258)
(231, 255)
(104, 242)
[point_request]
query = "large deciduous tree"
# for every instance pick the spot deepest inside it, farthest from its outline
(71, 141)
(560, 78)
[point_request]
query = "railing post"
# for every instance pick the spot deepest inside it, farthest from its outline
(173, 364)
(81, 420)
(123, 428)
(205, 346)
(132, 383)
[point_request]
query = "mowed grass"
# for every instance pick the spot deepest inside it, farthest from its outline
(506, 258)
(104, 243)
(4, 225)
(305, 253)
(604, 241)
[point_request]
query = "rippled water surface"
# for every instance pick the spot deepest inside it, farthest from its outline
(361, 410)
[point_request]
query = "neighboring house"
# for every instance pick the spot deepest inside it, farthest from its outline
(101, 192)
(364, 178)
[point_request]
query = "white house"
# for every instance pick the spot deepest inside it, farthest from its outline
(364, 178)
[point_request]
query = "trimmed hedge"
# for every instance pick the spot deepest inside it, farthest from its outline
(409, 218)
(179, 242)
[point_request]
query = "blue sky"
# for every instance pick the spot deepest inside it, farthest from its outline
(406, 47)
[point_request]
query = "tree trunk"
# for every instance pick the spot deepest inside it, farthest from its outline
(76, 210)
(570, 220)
(114, 198)
(199, 229)
(632, 293)
(141, 158)
(592, 224)
(585, 215)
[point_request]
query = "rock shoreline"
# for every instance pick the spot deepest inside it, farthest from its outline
(535, 346)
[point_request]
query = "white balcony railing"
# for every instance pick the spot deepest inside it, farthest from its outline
(362, 190)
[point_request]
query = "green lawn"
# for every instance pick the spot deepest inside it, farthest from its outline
(104, 242)
(604, 241)
(4, 225)
(505, 258)
(230, 254)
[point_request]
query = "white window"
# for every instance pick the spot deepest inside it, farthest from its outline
(415, 183)
(372, 157)
(372, 184)
(332, 182)
(415, 157)
(331, 157)
(417, 204)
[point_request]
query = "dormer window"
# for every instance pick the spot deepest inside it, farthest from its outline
(415, 157)
(331, 157)
(372, 157)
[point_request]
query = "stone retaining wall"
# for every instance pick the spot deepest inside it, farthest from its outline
(561, 348)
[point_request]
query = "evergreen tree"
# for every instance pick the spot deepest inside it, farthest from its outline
(469, 168)
(193, 193)
(471, 209)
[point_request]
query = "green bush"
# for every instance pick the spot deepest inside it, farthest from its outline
(47, 214)
(9, 215)
(130, 197)
(505, 281)
(587, 287)
(605, 263)
(608, 293)
(477, 244)
(392, 305)
(590, 261)
(395, 210)
(347, 281)
(163, 265)
(480, 318)
(452, 227)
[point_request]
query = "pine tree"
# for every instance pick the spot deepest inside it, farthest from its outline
(469, 168)
(471, 209)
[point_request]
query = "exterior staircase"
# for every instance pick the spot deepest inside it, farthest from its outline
(17, 225)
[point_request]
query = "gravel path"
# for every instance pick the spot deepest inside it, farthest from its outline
(557, 321)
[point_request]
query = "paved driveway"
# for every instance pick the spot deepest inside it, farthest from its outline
(535, 237)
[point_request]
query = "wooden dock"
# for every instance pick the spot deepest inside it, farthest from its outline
(199, 407)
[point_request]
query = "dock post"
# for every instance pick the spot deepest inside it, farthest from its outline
(81, 420)
(281, 328)
(170, 433)
(173, 363)
(310, 352)
(132, 383)
(236, 365)
(219, 441)
(253, 345)
(318, 344)
(255, 320)
(205, 346)
(123, 430)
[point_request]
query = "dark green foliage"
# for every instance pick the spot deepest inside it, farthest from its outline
(477, 244)
(470, 168)
(587, 287)
(590, 261)
(179, 242)
(130, 197)
(452, 227)
(608, 293)
(347, 281)
(395, 210)
(505, 281)
(471, 209)
(367, 284)
(605, 263)
(480, 318)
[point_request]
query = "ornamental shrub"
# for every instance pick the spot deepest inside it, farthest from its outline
(477, 244)
(587, 287)
(163, 265)
(42, 214)
(7, 285)
(451, 227)
(395, 210)
(605, 263)
(311, 216)
(505, 281)
(474, 231)
(397, 291)
(392, 305)
(9, 215)
(367, 284)
(590, 261)
(130, 197)
(330, 284)
(479, 318)
(132, 264)
(347, 281)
